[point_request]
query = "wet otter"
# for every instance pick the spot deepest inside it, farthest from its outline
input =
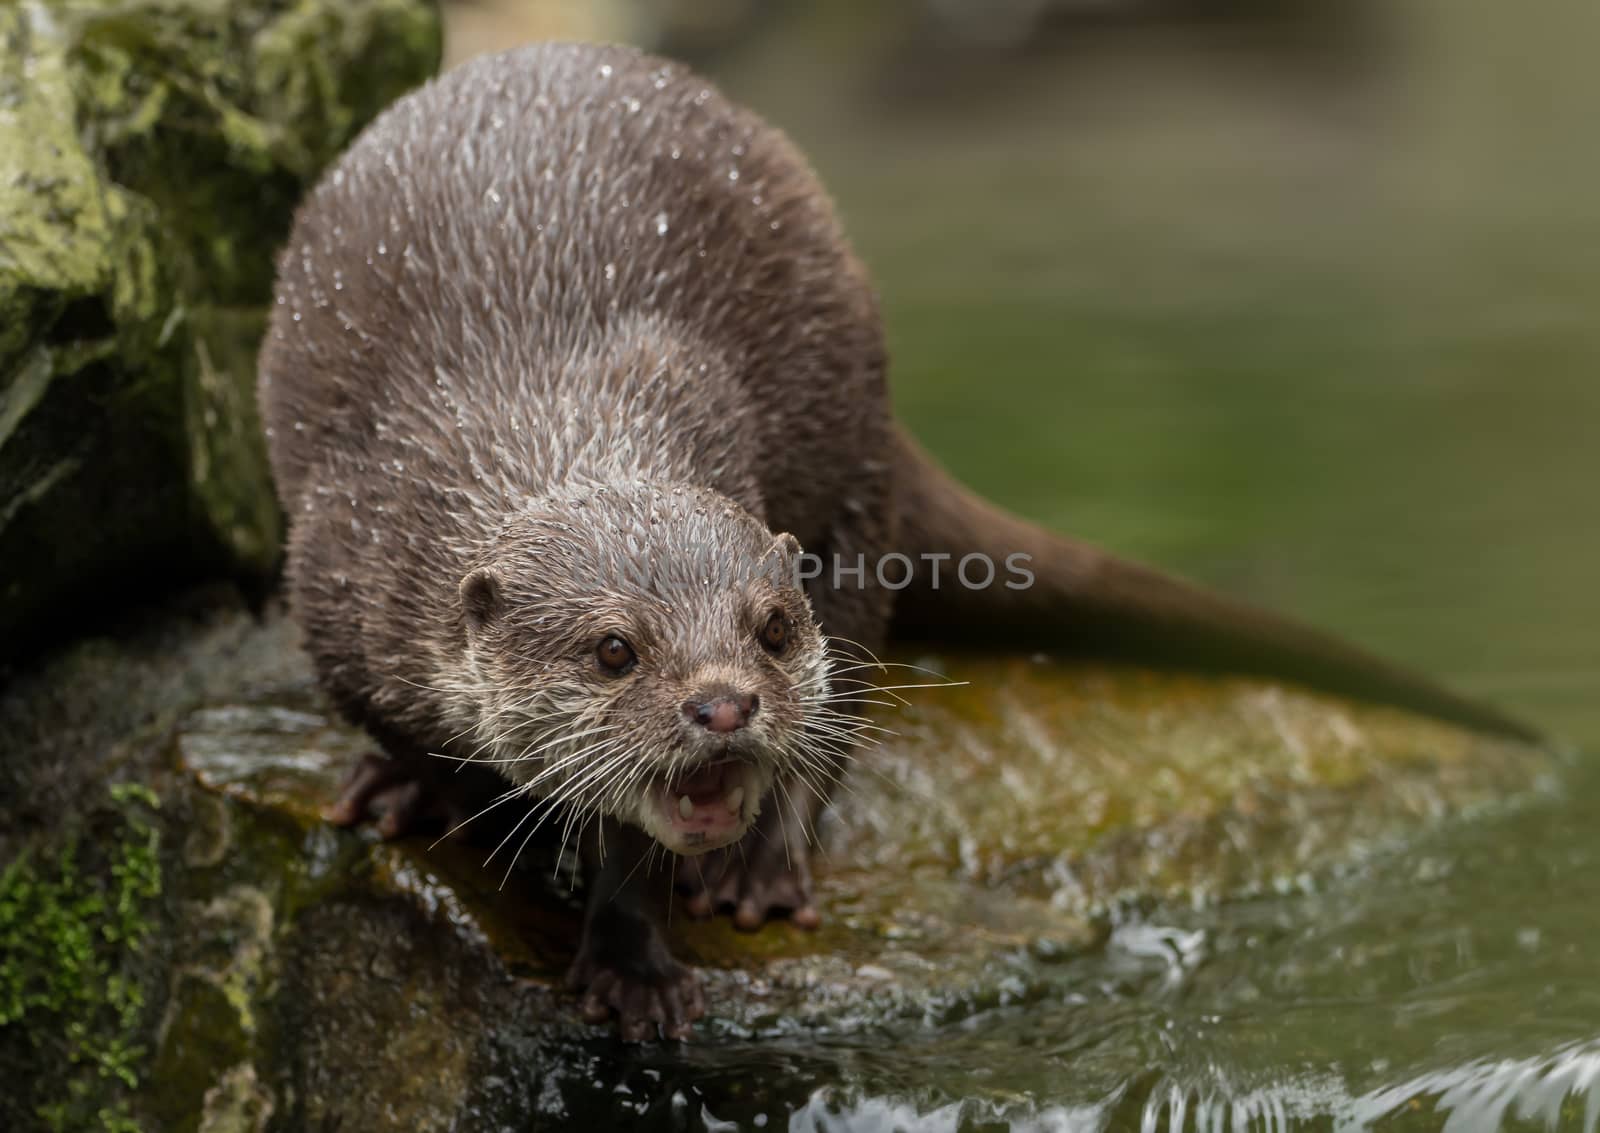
(569, 360)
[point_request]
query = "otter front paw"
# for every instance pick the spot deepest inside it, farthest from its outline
(756, 882)
(670, 1000)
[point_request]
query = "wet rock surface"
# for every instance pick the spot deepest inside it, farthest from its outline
(983, 863)
(151, 154)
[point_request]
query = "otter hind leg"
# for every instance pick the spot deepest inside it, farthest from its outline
(397, 795)
(410, 792)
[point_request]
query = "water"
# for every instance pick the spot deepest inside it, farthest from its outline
(1453, 986)
(1322, 336)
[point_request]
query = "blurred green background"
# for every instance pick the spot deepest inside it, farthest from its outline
(1300, 299)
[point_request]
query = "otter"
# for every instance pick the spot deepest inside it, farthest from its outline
(570, 373)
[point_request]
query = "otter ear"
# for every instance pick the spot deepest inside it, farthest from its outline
(784, 546)
(480, 598)
(782, 560)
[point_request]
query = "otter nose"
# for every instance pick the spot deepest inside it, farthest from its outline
(726, 713)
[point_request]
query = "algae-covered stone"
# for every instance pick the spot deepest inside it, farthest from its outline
(151, 153)
(1015, 803)
(291, 975)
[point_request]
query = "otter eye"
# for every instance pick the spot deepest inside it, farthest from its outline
(615, 655)
(775, 634)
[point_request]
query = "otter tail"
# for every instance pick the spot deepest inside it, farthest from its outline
(1083, 600)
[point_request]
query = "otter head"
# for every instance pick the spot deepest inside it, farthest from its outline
(645, 652)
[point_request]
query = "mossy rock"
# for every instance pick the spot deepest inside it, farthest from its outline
(291, 975)
(151, 154)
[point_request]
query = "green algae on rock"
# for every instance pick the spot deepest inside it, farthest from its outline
(151, 154)
(74, 924)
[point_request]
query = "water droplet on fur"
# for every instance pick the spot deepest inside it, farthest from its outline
(605, 70)
(661, 224)
(733, 175)
(611, 272)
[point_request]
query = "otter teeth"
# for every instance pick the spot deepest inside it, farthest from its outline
(685, 806)
(735, 800)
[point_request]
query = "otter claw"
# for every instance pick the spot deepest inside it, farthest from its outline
(643, 1006)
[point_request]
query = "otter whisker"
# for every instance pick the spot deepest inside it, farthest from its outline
(484, 721)
(927, 684)
(501, 737)
(431, 688)
(862, 688)
(830, 771)
(562, 791)
(544, 742)
(827, 714)
(527, 788)
(644, 858)
(801, 777)
(509, 835)
(811, 747)
(567, 795)
(604, 768)
(849, 733)
(834, 638)
(528, 752)
(502, 798)
(867, 696)
(573, 788)
(857, 726)
(782, 828)
(885, 666)
(856, 698)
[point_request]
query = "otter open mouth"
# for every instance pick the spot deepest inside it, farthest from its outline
(709, 806)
